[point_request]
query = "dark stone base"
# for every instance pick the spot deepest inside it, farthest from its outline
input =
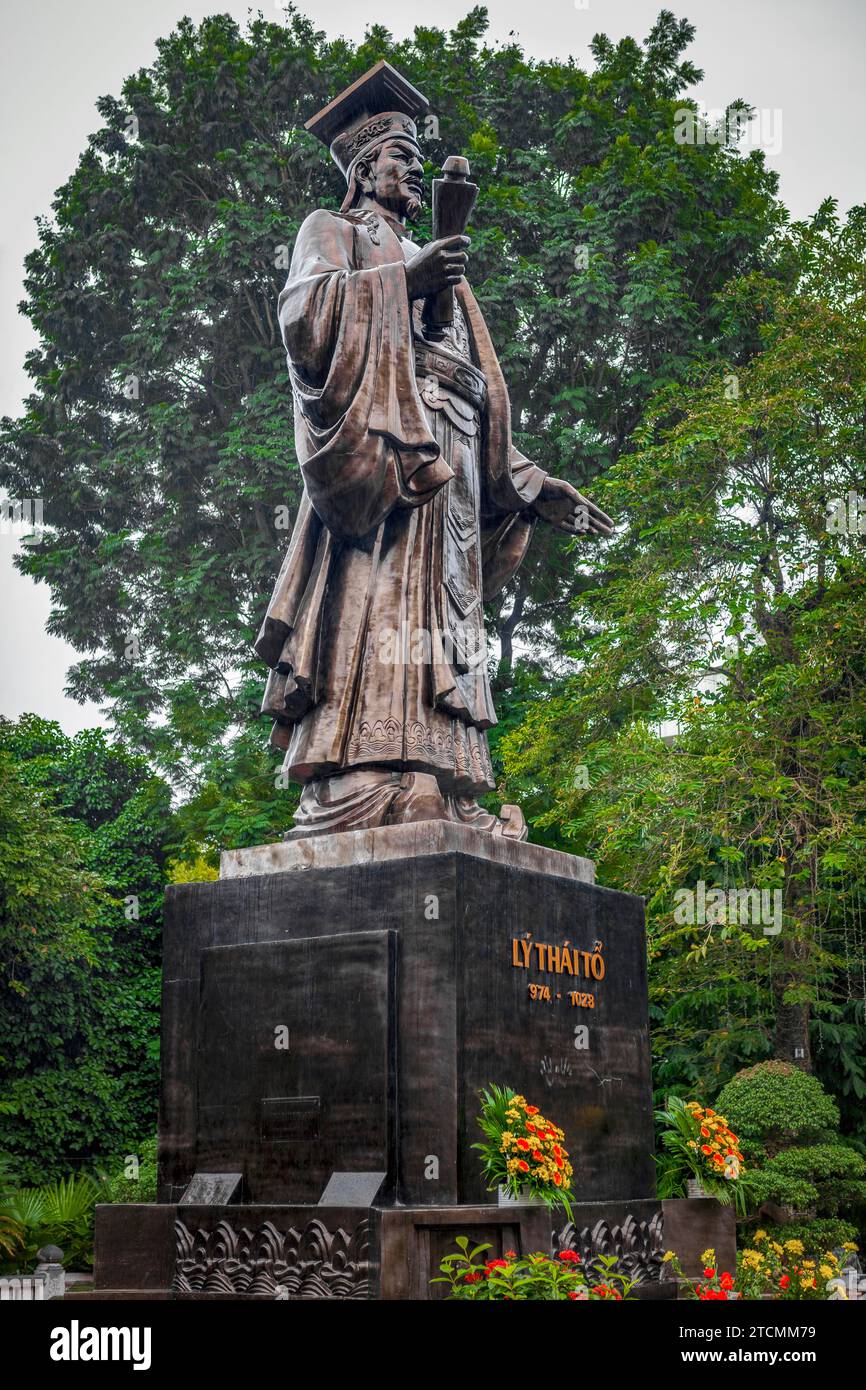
(693, 1225)
(343, 1016)
(390, 1253)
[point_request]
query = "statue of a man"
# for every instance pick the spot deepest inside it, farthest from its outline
(417, 508)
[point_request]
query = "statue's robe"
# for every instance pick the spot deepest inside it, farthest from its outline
(414, 513)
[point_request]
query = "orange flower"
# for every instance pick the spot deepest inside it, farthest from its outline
(536, 1154)
(705, 1148)
(523, 1144)
(532, 1109)
(557, 1179)
(523, 1165)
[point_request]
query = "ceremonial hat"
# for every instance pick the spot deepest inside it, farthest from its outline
(380, 106)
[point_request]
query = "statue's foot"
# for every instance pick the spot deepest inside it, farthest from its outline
(418, 798)
(510, 824)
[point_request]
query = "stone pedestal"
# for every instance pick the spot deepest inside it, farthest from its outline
(693, 1225)
(333, 1006)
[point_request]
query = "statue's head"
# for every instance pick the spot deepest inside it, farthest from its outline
(391, 176)
(371, 133)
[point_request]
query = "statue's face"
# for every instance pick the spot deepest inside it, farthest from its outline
(395, 179)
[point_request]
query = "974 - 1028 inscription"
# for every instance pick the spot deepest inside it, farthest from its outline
(578, 1001)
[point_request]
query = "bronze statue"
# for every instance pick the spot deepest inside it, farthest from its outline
(417, 508)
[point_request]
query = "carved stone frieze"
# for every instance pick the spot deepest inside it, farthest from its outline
(309, 1263)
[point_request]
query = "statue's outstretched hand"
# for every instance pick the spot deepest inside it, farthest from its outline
(568, 510)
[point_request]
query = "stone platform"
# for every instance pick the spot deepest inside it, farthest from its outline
(334, 1006)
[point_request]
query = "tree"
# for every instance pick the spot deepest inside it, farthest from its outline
(158, 430)
(83, 832)
(734, 603)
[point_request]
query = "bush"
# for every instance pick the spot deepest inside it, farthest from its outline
(817, 1236)
(820, 1176)
(803, 1167)
(775, 1103)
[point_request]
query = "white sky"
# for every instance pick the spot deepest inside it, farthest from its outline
(799, 58)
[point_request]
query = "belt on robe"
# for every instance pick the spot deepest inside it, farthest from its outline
(461, 376)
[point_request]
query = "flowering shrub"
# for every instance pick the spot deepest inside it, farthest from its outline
(770, 1269)
(698, 1143)
(781, 1268)
(530, 1278)
(522, 1149)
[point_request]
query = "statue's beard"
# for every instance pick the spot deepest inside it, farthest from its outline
(413, 208)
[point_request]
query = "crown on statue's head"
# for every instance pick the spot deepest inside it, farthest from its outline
(381, 105)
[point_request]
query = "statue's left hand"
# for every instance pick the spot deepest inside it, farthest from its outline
(568, 510)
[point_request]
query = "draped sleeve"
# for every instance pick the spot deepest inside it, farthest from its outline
(361, 433)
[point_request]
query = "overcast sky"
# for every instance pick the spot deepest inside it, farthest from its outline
(798, 61)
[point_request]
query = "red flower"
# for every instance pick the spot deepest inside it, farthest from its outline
(536, 1155)
(569, 1257)
(727, 1281)
(557, 1179)
(532, 1109)
(784, 1281)
(511, 1254)
(497, 1264)
(557, 1151)
(473, 1277)
(530, 1126)
(523, 1144)
(708, 1273)
(523, 1165)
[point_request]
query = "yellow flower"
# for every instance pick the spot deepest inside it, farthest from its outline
(825, 1271)
(849, 1245)
(708, 1257)
(795, 1246)
(668, 1255)
(760, 1235)
(808, 1264)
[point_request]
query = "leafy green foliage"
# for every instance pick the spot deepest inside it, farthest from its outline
(732, 606)
(79, 1027)
(59, 1214)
